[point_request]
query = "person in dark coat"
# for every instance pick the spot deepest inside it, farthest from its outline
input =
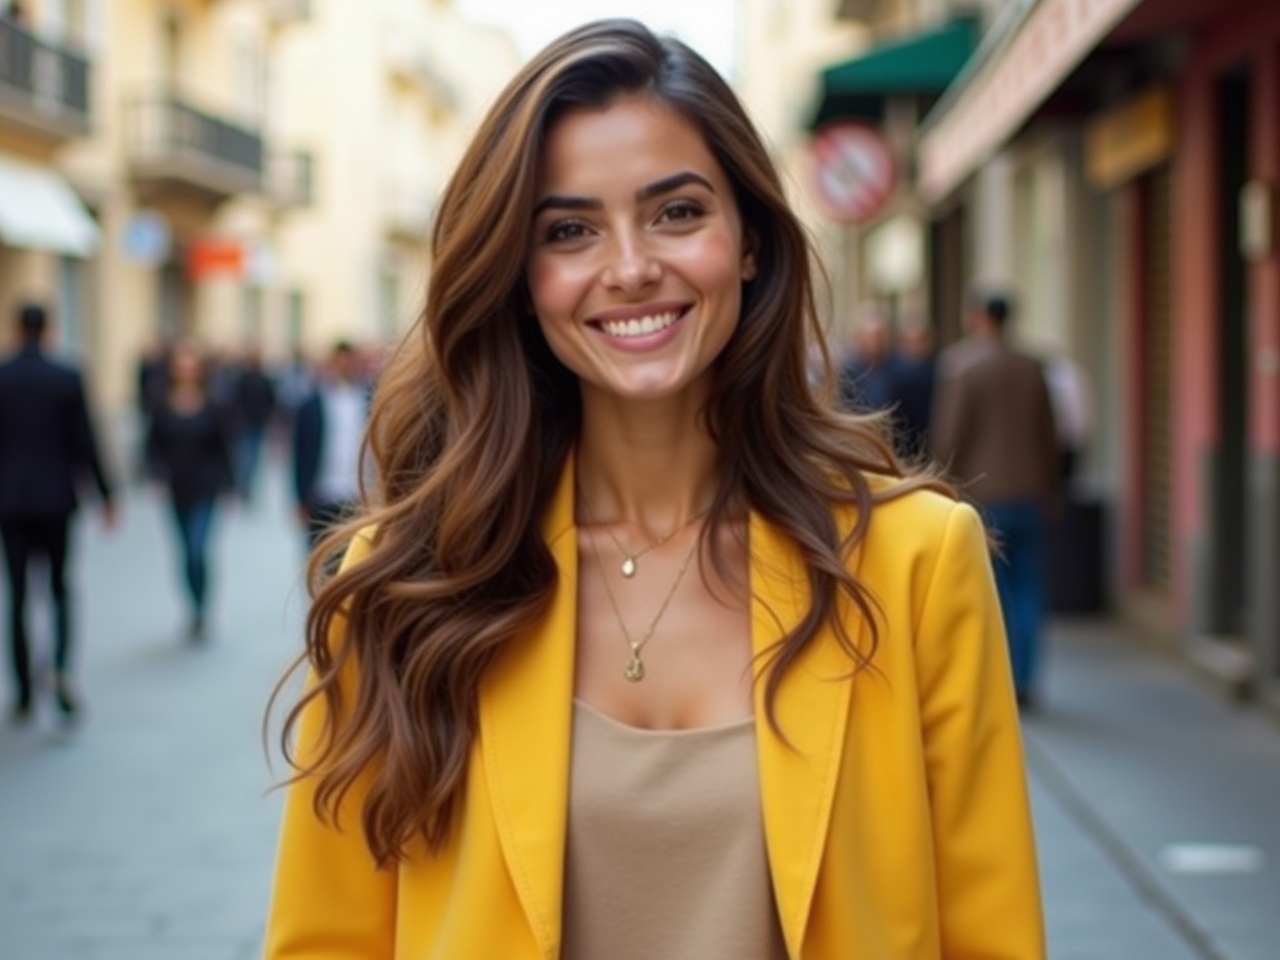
(866, 374)
(327, 435)
(47, 451)
(189, 450)
(255, 407)
(914, 376)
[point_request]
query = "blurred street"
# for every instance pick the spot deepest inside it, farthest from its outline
(147, 834)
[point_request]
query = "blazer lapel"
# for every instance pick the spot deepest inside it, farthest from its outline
(526, 715)
(797, 776)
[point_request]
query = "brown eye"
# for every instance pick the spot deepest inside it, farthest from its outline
(563, 231)
(681, 210)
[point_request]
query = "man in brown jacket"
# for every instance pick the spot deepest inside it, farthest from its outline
(993, 431)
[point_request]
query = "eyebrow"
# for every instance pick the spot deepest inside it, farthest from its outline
(648, 192)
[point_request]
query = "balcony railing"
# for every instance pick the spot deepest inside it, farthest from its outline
(172, 140)
(43, 85)
(288, 11)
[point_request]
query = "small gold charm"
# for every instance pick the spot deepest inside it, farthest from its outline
(635, 669)
(628, 567)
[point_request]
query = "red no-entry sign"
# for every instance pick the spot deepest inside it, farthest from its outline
(854, 170)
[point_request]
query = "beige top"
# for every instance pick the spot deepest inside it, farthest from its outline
(666, 851)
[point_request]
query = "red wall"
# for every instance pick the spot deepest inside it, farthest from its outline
(1245, 32)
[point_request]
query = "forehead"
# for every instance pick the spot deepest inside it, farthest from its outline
(629, 143)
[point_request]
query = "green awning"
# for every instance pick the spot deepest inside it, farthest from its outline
(922, 64)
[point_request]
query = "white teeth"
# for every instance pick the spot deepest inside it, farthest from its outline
(640, 326)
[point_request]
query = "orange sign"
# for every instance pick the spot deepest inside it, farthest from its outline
(215, 255)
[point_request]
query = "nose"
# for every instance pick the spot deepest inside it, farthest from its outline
(632, 265)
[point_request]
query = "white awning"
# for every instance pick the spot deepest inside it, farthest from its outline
(1000, 91)
(40, 211)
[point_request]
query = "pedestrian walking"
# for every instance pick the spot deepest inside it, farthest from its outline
(993, 428)
(48, 451)
(189, 451)
(643, 651)
(254, 410)
(866, 373)
(327, 432)
(912, 388)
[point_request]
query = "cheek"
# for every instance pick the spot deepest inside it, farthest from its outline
(554, 286)
(714, 264)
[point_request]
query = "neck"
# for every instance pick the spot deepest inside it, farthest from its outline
(986, 330)
(651, 464)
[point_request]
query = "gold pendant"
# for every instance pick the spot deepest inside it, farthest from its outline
(628, 567)
(635, 669)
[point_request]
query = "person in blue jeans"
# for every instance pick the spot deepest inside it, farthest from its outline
(189, 452)
(993, 430)
(1019, 564)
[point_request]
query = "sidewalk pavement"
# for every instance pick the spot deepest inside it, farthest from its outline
(1157, 805)
(148, 833)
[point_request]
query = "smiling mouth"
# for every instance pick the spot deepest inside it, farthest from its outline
(640, 326)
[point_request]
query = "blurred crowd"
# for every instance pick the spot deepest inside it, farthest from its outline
(209, 416)
(1007, 426)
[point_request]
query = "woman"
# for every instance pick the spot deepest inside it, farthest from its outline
(645, 651)
(189, 453)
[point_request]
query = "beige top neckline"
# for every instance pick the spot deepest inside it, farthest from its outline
(666, 852)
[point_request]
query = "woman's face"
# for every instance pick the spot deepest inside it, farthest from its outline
(637, 257)
(185, 365)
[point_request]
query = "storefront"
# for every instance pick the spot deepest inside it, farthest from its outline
(1227, 342)
(1181, 122)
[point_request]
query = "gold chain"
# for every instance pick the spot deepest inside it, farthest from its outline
(628, 565)
(634, 670)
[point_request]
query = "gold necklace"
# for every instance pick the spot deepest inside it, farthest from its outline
(634, 670)
(628, 565)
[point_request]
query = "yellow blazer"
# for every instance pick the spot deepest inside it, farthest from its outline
(897, 821)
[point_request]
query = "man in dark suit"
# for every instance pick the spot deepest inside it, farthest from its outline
(993, 429)
(47, 449)
(327, 434)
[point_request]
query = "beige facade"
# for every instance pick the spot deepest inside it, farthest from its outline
(785, 45)
(243, 171)
(384, 94)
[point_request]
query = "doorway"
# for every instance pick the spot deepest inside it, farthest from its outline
(1229, 538)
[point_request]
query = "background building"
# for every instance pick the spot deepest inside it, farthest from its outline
(1114, 163)
(245, 172)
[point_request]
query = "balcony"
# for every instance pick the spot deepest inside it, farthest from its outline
(44, 87)
(177, 148)
(291, 179)
(855, 9)
(284, 12)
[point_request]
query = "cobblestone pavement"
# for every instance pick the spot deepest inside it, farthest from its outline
(148, 832)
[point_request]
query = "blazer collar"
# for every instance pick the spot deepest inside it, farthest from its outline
(526, 711)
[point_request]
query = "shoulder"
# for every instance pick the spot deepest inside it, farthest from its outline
(918, 514)
(912, 533)
(958, 358)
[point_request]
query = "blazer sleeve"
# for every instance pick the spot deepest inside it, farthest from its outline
(330, 900)
(988, 896)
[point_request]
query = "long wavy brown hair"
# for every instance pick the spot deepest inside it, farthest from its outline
(474, 421)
